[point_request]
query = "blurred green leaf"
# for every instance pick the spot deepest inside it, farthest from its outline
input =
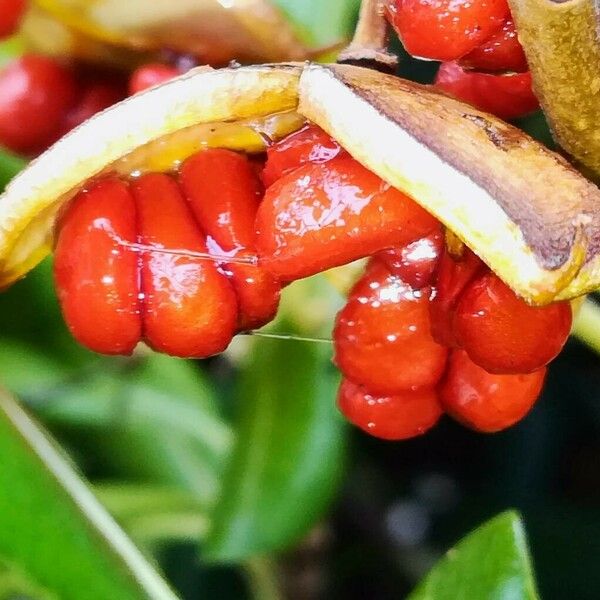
(287, 460)
(15, 585)
(29, 311)
(490, 563)
(10, 165)
(322, 23)
(11, 48)
(55, 530)
(536, 126)
(151, 419)
(153, 514)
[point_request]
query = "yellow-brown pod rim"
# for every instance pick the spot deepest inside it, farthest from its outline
(522, 208)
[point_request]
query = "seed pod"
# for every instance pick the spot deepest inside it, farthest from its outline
(522, 208)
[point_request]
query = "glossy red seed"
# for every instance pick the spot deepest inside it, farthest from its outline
(507, 96)
(382, 336)
(11, 13)
(445, 29)
(453, 275)
(487, 402)
(35, 94)
(189, 308)
(503, 334)
(96, 279)
(325, 215)
(416, 263)
(397, 417)
(501, 52)
(224, 193)
(308, 145)
(149, 75)
(94, 98)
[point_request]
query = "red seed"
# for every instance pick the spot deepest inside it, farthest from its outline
(445, 29)
(397, 417)
(416, 263)
(507, 96)
(487, 402)
(35, 94)
(308, 145)
(189, 308)
(96, 279)
(453, 276)
(501, 52)
(325, 215)
(383, 337)
(224, 193)
(11, 13)
(503, 334)
(149, 75)
(94, 98)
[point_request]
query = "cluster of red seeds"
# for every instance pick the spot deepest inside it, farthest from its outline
(423, 331)
(483, 62)
(42, 98)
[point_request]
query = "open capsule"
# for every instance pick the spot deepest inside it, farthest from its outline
(521, 208)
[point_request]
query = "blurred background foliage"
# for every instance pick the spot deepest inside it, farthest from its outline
(247, 453)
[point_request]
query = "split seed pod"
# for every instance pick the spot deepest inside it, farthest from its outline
(522, 208)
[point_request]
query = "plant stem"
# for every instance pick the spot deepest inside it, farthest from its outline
(369, 44)
(563, 51)
(586, 327)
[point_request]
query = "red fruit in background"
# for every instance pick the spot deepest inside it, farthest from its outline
(325, 215)
(445, 29)
(507, 96)
(453, 276)
(487, 402)
(189, 308)
(398, 417)
(308, 145)
(224, 193)
(503, 334)
(149, 75)
(35, 94)
(94, 98)
(96, 279)
(416, 263)
(501, 52)
(382, 336)
(11, 12)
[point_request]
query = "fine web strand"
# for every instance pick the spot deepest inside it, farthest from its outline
(251, 260)
(287, 336)
(222, 258)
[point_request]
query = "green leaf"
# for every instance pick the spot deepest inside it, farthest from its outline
(322, 23)
(154, 514)
(152, 419)
(55, 530)
(15, 584)
(491, 563)
(10, 165)
(11, 48)
(287, 460)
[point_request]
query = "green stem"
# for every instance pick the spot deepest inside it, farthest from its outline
(563, 51)
(586, 327)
